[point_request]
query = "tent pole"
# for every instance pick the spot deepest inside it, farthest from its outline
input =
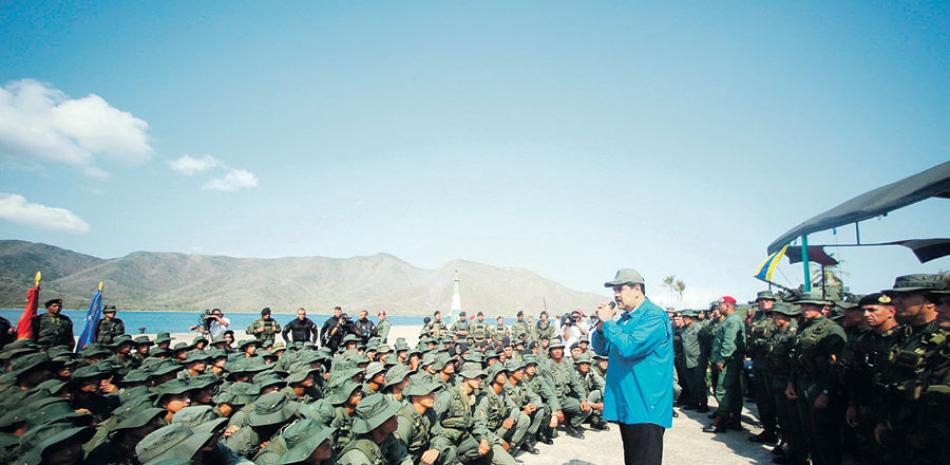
(805, 263)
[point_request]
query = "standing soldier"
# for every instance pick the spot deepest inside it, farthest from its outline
(520, 327)
(480, 329)
(53, 328)
(706, 336)
(462, 327)
(779, 365)
(727, 355)
(264, 328)
(543, 329)
(109, 327)
(500, 331)
(868, 358)
(383, 327)
(917, 382)
(695, 372)
(760, 330)
(817, 348)
(436, 327)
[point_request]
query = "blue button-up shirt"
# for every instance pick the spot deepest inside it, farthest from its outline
(639, 349)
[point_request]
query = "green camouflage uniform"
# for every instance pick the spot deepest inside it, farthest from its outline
(729, 350)
(271, 330)
(108, 330)
(53, 330)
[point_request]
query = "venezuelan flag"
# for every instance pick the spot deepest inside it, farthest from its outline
(767, 268)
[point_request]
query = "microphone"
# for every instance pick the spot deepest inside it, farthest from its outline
(612, 304)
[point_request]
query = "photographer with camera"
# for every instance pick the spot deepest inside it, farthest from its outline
(216, 323)
(335, 328)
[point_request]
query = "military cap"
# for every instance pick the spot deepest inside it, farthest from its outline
(158, 353)
(215, 354)
(51, 302)
(108, 309)
(471, 370)
(174, 441)
(530, 359)
(421, 389)
(480, 313)
(599, 357)
(195, 416)
(94, 350)
(341, 392)
(173, 388)
(625, 276)
(163, 337)
(271, 409)
(555, 343)
(427, 359)
(583, 358)
(95, 371)
(196, 356)
(946, 285)
(53, 386)
(494, 370)
(514, 365)
(181, 346)
(811, 298)
(765, 295)
(787, 309)
(350, 338)
(122, 339)
(917, 283)
(14, 416)
(374, 369)
(15, 353)
(278, 346)
(24, 364)
(687, 313)
(202, 380)
(302, 438)
(198, 339)
(490, 354)
(246, 342)
(141, 340)
(131, 418)
(440, 362)
(38, 440)
(396, 375)
(244, 393)
(165, 368)
(269, 378)
(300, 374)
(373, 411)
(55, 409)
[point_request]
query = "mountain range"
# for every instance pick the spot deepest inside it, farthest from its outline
(176, 281)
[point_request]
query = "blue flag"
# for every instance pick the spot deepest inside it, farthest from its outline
(767, 267)
(93, 315)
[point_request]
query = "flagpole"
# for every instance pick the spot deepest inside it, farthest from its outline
(805, 263)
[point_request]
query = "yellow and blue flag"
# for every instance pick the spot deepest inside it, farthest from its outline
(767, 268)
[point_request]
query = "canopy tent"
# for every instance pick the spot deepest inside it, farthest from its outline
(934, 182)
(925, 250)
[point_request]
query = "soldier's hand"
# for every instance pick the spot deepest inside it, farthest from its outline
(720, 366)
(429, 457)
(259, 330)
(508, 423)
(790, 392)
(230, 430)
(821, 402)
(553, 422)
(879, 431)
(263, 444)
(585, 406)
(560, 416)
(605, 313)
(483, 447)
(851, 416)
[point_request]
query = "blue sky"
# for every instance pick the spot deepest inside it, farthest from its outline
(570, 139)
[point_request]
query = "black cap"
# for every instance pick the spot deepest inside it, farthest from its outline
(265, 311)
(52, 302)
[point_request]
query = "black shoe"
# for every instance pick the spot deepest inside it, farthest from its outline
(601, 426)
(688, 407)
(545, 439)
(714, 429)
(702, 409)
(764, 437)
(573, 432)
(778, 450)
(530, 449)
(676, 414)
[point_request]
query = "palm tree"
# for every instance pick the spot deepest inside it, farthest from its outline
(680, 288)
(669, 282)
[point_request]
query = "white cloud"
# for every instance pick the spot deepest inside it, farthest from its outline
(234, 180)
(190, 166)
(40, 122)
(16, 209)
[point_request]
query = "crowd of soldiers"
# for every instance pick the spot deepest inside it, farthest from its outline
(464, 394)
(863, 378)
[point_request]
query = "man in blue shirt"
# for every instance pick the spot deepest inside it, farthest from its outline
(639, 347)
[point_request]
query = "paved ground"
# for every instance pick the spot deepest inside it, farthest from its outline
(684, 444)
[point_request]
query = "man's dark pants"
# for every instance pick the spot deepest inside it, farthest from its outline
(642, 443)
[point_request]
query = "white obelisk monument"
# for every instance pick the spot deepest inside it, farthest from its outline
(456, 299)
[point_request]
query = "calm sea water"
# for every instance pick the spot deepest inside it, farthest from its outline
(179, 322)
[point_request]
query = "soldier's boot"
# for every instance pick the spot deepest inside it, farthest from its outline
(544, 436)
(766, 436)
(573, 431)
